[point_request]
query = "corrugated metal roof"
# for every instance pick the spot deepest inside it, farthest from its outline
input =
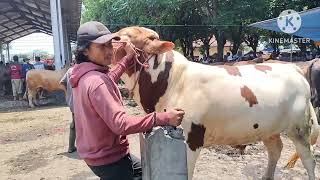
(19, 18)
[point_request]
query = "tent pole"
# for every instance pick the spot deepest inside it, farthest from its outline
(291, 48)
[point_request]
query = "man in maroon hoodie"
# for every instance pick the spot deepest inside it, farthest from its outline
(101, 121)
(16, 81)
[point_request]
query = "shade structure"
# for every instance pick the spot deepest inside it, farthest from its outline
(310, 24)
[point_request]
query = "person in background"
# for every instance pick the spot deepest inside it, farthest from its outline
(229, 56)
(102, 124)
(309, 56)
(259, 58)
(7, 80)
(38, 64)
(16, 75)
(26, 66)
(65, 80)
(4, 76)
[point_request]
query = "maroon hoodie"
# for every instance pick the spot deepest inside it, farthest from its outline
(101, 121)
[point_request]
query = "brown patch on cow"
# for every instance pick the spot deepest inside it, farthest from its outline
(263, 68)
(232, 70)
(196, 136)
(150, 93)
(274, 137)
(249, 96)
(133, 68)
(242, 63)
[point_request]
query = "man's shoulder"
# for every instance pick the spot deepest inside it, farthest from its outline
(96, 79)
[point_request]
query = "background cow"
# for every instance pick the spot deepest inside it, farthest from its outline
(258, 102)
(43, 79)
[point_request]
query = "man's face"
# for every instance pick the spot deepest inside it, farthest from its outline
(100, 53)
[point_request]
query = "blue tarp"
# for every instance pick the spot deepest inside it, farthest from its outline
(310, 27)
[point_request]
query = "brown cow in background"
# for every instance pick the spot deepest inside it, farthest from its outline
(43, 79)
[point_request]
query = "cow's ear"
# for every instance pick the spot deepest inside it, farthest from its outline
(158, 47)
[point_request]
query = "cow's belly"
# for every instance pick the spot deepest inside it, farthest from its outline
(243, 130)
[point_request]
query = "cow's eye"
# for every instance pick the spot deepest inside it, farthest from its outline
(152, 38)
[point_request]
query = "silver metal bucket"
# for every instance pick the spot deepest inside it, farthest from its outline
(163, 154)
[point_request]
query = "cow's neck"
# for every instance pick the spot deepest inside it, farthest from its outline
(153, 82)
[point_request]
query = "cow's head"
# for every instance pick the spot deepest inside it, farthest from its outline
(151, 83)
(143, 38)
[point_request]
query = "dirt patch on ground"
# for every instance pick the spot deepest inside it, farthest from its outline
(30, 134)
(38, 140)
(28, 161)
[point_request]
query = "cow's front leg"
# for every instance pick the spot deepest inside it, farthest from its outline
(192, 157)
(194, 133)
(31, 97)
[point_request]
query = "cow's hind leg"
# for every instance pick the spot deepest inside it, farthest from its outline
(303, 147)
(274, 147)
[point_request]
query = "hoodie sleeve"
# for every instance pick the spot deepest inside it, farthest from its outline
(108, 106)
(120, 68)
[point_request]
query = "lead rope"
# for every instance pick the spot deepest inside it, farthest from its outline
(138, 54)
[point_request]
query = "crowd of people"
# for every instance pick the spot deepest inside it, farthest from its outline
(283, 56)
(13, 76)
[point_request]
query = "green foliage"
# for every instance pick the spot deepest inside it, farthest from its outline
(193, 19)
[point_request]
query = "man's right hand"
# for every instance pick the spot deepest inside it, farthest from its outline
(175, 116)
(129, 48)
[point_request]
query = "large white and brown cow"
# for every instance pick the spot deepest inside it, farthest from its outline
(43, 80)
(310, 71)
(226, 105)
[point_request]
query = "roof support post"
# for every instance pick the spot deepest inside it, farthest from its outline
(69, 53)
(1, 56)
(57, 32)
(62, 31)
(67, 46)
(8, 52)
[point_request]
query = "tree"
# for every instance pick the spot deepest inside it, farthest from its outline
(184, 21)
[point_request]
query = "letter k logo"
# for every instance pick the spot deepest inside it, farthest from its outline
(289, 21)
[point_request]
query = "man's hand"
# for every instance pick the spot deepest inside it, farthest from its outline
(129, 48)
(175, 116)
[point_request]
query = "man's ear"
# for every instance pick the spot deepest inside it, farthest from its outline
(86, 52)
(158, 47)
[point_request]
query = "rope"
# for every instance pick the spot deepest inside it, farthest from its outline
(144, 63)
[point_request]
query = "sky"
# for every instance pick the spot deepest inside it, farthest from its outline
(29, 43)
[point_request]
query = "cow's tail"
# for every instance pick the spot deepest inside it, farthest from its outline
(313, 124)
(26, 95)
